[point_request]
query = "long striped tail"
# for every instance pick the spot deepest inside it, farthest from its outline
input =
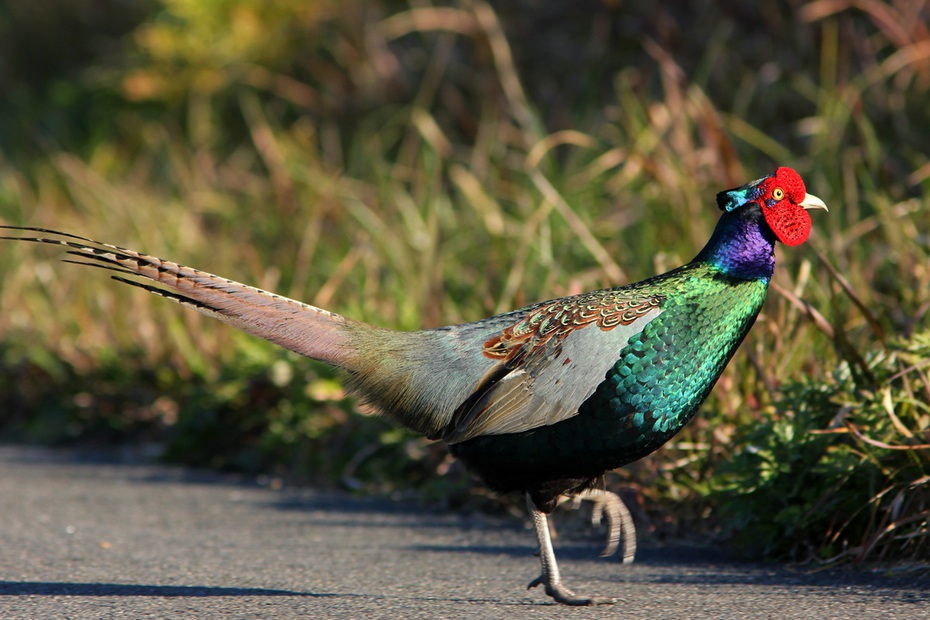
(297, 326)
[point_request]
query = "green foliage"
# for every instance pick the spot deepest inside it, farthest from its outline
(415, 165)
(837, 470)
(205, 47)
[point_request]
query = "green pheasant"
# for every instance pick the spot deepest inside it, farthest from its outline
(545, 399)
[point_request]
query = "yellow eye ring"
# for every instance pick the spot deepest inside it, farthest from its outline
(778, 193)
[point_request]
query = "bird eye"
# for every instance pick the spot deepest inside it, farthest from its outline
(778, 193)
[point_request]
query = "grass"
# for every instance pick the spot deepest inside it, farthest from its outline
(411, 171)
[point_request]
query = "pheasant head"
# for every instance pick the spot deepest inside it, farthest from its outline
(784, 202)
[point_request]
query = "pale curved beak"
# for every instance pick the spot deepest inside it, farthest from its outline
(812, 202)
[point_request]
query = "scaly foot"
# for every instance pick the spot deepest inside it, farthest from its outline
(563, 595)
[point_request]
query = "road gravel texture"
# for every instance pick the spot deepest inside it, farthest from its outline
(92, 538)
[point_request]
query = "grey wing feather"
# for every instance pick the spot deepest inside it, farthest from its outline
(548, 390)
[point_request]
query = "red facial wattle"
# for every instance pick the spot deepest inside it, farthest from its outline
(790, 223)
(783, 205)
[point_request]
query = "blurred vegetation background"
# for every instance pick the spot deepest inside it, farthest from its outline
(419, 163)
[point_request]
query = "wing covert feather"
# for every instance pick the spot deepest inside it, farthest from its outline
(551, 362)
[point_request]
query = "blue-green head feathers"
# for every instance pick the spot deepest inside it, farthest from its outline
(732, 199)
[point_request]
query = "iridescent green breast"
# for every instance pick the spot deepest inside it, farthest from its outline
(666, 372)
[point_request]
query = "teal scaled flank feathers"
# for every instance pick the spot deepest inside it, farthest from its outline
(544, 399)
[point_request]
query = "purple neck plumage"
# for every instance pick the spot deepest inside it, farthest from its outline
(742, 245)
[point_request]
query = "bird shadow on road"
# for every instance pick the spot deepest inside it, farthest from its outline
(59, 588)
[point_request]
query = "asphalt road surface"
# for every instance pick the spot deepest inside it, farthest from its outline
(88, 538)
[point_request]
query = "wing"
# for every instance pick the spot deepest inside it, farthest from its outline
(551, 361)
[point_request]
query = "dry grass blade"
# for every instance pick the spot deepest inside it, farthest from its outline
(608, 264)
(820, 322)
(506, 70)
(851, 293)
(423, 19)
(884, 445)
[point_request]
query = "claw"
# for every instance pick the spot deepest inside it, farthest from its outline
(561, 594)
(619, 522)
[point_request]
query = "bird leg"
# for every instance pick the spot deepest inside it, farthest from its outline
(550, 577)
(619, 521)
